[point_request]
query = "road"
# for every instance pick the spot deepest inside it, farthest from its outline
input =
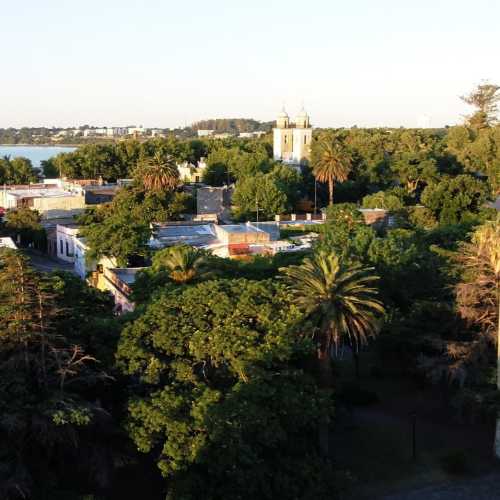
(482, 488)
(45, 264)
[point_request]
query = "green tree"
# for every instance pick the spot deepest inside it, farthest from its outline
(346, 233)
(478, 294)
(220, 403)
(51, 433)
(215, 174)
(331, 163)
(288, 180)
(158, 173)
(391, 200)
(340, 304)
(24, 226)
(484, 98)
(182, 263)
(121, 229)
(260, 193)
(455, 199)
(49, 169)
(18, 170)
(238, 162)
(371, 156)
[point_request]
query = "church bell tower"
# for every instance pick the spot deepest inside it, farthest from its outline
(292, 141)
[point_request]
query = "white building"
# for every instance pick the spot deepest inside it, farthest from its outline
(81, 267)
(249, 135)
(50, 201)
(191, 173)
(136, 130)
(66, 236)
(292, 141)
(205, 133)
(118, 281)
(7, 242)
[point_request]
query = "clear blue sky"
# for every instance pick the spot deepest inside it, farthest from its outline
(170, 62)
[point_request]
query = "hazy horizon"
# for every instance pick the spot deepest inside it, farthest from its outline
(166, 65)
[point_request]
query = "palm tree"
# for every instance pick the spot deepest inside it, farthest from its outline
(159, 173)
(478, 296)
(342, 304)
(331, 162)
(183, 263)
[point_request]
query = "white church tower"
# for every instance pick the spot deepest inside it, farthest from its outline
(292, 141)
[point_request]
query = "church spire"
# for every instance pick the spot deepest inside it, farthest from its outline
(283, 120)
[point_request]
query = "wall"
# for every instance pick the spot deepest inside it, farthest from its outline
(236, 238)
(301, 149)
(59, 206)
(66, 242)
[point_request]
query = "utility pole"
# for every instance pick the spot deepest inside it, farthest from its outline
(257, 206)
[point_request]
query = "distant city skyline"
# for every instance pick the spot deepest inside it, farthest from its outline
(166, 65)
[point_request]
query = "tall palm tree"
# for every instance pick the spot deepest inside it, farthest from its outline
(183, 263)
(159, 173)
(342, 304)
(478, 296)
(331, 163)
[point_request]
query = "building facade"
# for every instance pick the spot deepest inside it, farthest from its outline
(66, 236)
(190, 173)
(292, 140)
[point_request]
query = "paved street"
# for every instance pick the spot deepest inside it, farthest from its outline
(45, 264)
(482, 488)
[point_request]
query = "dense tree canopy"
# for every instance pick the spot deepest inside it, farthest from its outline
(220, 382)
(51, 431)
(454, 199)
(17, 170)
(217, 361)
(24, 227)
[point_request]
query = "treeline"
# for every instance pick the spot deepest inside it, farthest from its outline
(17, 170)
(422, 176)
(118, 160)
(25, 135)
(232, 125)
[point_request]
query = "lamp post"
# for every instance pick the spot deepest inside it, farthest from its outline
(413, 416)
(315, 195)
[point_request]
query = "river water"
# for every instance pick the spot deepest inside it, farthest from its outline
(35, 153)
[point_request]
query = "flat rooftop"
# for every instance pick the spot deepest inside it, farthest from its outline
(184, 231)
(126, 274)
(42, 193)
(198, 235)
(240, 228)
(7, 242)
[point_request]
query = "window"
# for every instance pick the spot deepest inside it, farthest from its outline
(305, 139)
(67, 249)
(286, 139)
(61, 247)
